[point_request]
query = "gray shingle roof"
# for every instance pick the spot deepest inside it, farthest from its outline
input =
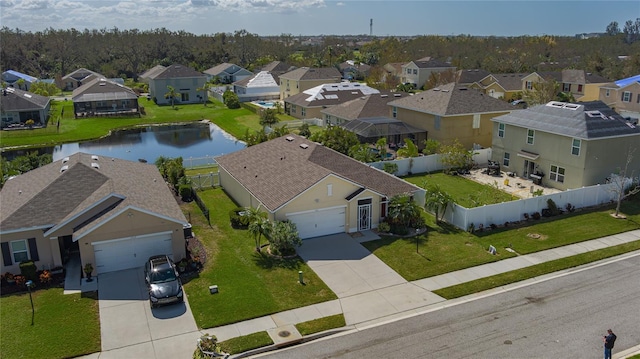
(429, 63)
(471, 75)
(510, 81)
(101, 89)
(276, 171)
(176, 71)
(46, 196)
(81, 74)
(13, 99)
(367, 106)
(585, 120)
(311, 73)
(152, 71)
(277, 67)
(452, 99)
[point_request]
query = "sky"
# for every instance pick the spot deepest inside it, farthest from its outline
(325, 17)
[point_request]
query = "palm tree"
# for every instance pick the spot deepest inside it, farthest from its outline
(205, 89)
(259, 225)
(381, 145)
(171, 94)
(403, 211)
(410, 150)
(437, 201)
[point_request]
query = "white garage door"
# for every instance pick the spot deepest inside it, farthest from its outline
(320, 222)
(130, 252)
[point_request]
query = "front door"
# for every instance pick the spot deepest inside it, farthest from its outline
(364, 214)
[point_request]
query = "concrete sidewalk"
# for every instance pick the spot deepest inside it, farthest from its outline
(403, 300)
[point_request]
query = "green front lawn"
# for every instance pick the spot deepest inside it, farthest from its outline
(445, 249)
(465, 192)
(250, 284)
(64, 326)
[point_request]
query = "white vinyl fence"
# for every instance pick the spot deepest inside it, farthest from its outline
(431, 163)
(211, 179)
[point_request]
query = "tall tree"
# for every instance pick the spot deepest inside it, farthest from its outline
(613, 29)
(437, 201)
(171, 95)
(621, 187)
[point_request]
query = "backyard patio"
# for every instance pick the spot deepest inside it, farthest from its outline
(517, 186)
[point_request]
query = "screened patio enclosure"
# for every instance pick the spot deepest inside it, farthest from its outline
(370, 130)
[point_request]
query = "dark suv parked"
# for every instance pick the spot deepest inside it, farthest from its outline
(163, 281)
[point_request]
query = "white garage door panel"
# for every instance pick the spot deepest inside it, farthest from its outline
(319, 223)
(130, 252)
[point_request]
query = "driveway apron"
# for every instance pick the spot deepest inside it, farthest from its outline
(128, 325)
(346, 266)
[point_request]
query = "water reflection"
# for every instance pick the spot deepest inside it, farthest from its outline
(148, 143)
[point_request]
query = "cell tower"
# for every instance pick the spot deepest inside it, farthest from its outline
(370, 27)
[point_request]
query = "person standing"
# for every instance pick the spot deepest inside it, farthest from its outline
(608, 340)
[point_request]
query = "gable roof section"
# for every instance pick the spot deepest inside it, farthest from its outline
(278, 67)
(277, 171)
(471, 75)
(101, 89)
(176, 71)
(261, 79)
(429, 63)
(586, 120)
(313, 73)
(152, 72)
(510, 82)
(81, 74)
(450, 100)
(19, 75)
(374, 105)
(13, 99)
(628, 81)
(47, 196)
(331, 94)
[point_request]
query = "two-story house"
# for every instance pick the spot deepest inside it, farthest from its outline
(564, 145)
(506, 86)
(451, 112)
(184, 80)
(584, 86)
(227, 73)
(623, 96)
(417, 72)
(304, 78)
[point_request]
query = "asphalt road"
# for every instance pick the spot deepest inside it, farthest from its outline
(565, 317)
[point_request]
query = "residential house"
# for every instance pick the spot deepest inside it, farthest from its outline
(18, 106)
(77, 78)
(304, 78)
(623, 96)
(320, 190)
(310, 103)
(394, 131)
(18, 80)
(226, 73)
(260, 86)
(354, 71)
(392, 70)
(113, 213)
(564, 145)
(418, 72)
(183, 79)
(451, 112)
(374, 105)
(584, 86)
(104, 97)
(504, 86)
(470, 76)
(151, 73)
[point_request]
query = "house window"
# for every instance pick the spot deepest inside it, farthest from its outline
(530, 135)
(415, 71)
(579, 88)
(557, 174)
(303, 111)
(606, 93)
(409, 71)
(501, 130)
(476, 120)
(19, 251)
(528, 85)
(505, 160)
(329, 190)
(184, 96)
(566, 87)
(436, 122)
(575, 147)
(626, 96)
(394, 111)
(294, 109)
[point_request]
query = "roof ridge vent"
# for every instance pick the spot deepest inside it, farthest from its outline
(397, 95)
(94, 158)
(384, 95)
(289, 138)
(64, 168)
(436, 89)
(95, 165)
(304, 146)
(65, 160)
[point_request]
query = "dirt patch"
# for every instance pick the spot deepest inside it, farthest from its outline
(538, 236)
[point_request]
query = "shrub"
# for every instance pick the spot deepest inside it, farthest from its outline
(526, 216)
(390, 167)
(29, 270)
(45, 277)
(238, 219)
(570, 208)
(384, 227)
(20, 280)
(493, 226)
(185, 191)
(472, 228)
(535, 215)
(552, 208)
(506, 224)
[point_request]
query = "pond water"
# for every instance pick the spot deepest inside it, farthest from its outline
(195, 142)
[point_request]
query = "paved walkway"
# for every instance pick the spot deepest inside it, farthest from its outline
(401, 299)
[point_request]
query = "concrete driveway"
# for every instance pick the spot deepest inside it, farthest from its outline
(131, 329)
(346, 266)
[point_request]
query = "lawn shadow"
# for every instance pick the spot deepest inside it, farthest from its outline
(419, 241)
(267, 261)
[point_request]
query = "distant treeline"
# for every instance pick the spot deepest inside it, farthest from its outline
(128, 53)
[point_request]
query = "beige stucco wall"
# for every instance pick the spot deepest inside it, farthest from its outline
(48, 250)
(132, 223)
(452, 127)
(309, 112)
